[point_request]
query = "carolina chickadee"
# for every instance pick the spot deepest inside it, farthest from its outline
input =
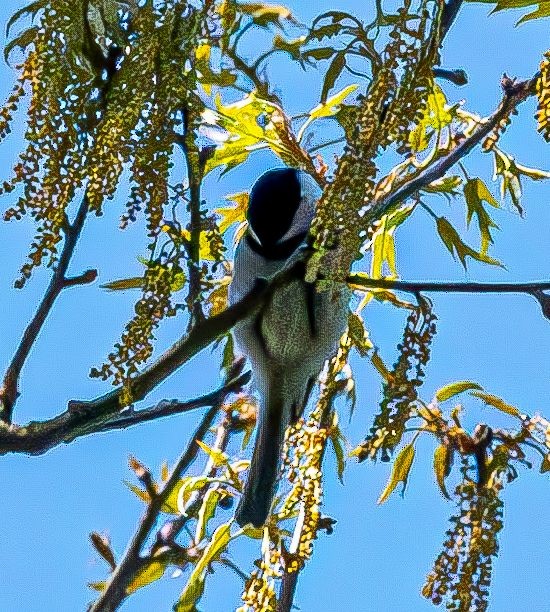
(289, 338)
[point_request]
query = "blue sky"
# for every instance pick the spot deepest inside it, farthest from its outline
(378, 556)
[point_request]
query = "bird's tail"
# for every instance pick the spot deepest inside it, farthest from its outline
(259, 491)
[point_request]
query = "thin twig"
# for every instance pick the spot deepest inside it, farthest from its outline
(167, 408)
(168, 533)
(115, 590)
(433, 287)
(9, 391)
(288, 589)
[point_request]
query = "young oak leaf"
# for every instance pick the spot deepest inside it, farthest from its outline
(400, 472)
(454, 388)
(458, 248)
(475, 193)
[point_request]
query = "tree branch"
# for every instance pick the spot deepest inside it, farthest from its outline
(105, 412)
(514, 94)
(288, 590)
(167, 408)
(115, 590)
(168, 533)
(9, 391)
(84, 417)
(432, 287)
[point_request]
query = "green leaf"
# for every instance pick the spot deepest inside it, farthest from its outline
(207, 511)
(337, 440)
(228, 352)
(442, 457)
(151, 572)
(321, 53)
(358, 334)
(447, 185)
(135, 282)
(457, 248)
(400, 472)
(22, 41)
(452, 389)
(231, 215)
(143, 495)
(543, 9)
(217, 456)
(475, 193)
(383, 252)
(250, 124)
(511, 172)
(434, 118)
(182, 491)
(332, 105)
(292, 47)
(31, 9)
(497, 402)
(540, 13)
(195, 585)
(332, 74)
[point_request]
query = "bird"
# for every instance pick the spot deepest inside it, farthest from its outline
(289, 337)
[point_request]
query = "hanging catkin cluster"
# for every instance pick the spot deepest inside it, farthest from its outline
(461, 575)
(58, 77)
(543, 95)
(259, 590)
(394, 102)
(401, 388)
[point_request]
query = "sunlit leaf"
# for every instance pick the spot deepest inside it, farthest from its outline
(195, 585)
(542, 11)
(217, 456)
(400, 472)
(452, 389)
(497, 402)
(233, 214)
(153, 570)
(292, 47)
(447, 185)
(383, 253)
(266, 14)
(457, 247)
(332, 104)
(441, 467)
(475, 193)
(207, 511)
(434, 118)
(251, 124)
(134, 282)
(143, 495)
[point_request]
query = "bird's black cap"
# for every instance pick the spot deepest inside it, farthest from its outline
(274, 200)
